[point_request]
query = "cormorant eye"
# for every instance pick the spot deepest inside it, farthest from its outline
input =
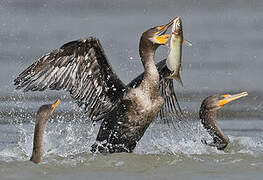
(220, 97)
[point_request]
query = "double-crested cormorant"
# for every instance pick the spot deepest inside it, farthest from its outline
(82, 68)
(207, 115)
(43, 113)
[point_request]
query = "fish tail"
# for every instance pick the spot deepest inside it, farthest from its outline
(177, 77)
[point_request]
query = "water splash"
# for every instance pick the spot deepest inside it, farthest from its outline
(69, 136)
(72, 141)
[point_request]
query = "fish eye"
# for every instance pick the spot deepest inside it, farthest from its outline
(178, 24)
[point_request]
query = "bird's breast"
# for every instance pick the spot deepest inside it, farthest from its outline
(143, 107)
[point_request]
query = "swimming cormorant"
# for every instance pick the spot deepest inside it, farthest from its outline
(43, 113)
(207, 114)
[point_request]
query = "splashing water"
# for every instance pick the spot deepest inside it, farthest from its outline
(68, 138)
(65, 139)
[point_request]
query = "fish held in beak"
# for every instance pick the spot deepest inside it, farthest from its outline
(160, 36)
(174, 59)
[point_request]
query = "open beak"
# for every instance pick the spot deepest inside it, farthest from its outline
(55, 105)
(228, 98)
(160, 35)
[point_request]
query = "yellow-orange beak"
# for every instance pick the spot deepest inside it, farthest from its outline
(160, 35)
(228, 98)
(55, 105)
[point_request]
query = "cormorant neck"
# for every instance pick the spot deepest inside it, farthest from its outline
(207, 116)
(40, 126)
(151, 76)
(208, 119)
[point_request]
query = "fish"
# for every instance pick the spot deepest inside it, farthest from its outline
(174, 59)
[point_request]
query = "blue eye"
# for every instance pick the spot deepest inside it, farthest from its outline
(156, 30)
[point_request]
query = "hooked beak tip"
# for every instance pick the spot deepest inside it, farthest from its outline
(228, 98)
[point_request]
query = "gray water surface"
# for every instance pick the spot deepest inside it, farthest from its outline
(226, 57)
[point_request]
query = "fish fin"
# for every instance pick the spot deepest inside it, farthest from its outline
(177, 77)
(187, 43)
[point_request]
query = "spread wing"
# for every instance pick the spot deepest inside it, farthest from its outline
(80, 67)
(171, 109)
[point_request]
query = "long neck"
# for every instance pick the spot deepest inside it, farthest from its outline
(208, 119)
(150, 80)
(38, 139)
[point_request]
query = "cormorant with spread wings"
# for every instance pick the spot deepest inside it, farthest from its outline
(82, 68)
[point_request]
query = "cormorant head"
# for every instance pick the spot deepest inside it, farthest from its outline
(46, 110)
(213, 103)
(156, 35)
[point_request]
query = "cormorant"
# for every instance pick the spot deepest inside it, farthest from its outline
(82, 68)
(207, 114)
(43, 113)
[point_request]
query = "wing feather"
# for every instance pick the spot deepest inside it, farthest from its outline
(80, 67)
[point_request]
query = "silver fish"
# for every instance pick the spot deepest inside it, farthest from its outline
(174, 59)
